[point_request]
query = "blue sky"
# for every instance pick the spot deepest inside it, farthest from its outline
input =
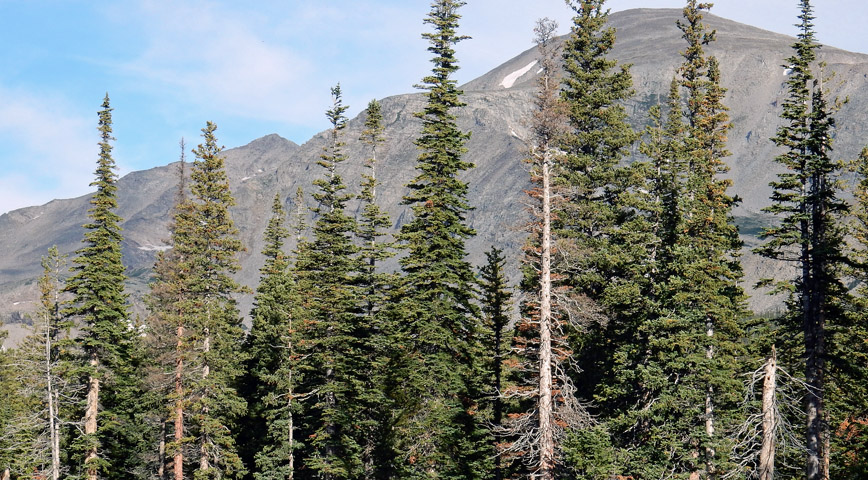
(254, 68)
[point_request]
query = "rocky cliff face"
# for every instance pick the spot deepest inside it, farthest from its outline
(498, 105)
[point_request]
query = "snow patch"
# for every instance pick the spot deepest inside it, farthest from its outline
(509, 80)
(155, 248)
(16, 303)
(512, 132)
(246, 178)
(788, 70)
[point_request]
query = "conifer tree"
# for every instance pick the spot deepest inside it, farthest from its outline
(438, 377)
(273, 363)
(40, 384)
(167, 331)
(701, 283)
(32, 388)
(591, 265)
(331, 331)
(806, 199)
(674, 303)
(373, 220)
(850, 384)
(495, 298)
(15, 433)
(374, 411)
(108, 339)
(210, 258)
(598, 137)
(196, 316)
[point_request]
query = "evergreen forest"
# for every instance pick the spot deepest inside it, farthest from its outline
(626, 350)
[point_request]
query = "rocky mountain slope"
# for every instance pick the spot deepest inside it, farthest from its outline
(497, 109)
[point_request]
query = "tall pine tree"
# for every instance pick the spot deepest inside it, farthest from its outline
(193, 296)
(437, 377)
(331, 331)
(273, 361)
(809, 236)
(374, 411)
(108, 339)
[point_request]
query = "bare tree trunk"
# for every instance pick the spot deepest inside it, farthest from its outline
(161, 453)
(90, 414)
(52, 406)
(204, 464)
(178, 466)
(826, 447)
(289, 398)
(709, 407)
(5, 474)
(291, 459)
(767, 452)
(55, 443)
(546, 435)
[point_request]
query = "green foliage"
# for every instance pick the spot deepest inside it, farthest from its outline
(810, 235)
(196, 325)
(332, 333)
(667, 359)
(270, 426)
(591, 454)
(495, 298)
(598, 137)
(109, 343)
(438, 370)
(210, 259)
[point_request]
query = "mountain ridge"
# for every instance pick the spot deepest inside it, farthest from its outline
(752, 68)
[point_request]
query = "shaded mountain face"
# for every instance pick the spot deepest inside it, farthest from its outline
(497, 112)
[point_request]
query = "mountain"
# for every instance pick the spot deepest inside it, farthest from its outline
(498, 104)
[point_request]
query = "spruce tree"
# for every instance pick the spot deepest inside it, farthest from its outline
(598, 137)
(108, 339)
(810, 236)
(701, 284)
(850, 382)
(199, 323)
(438, 377)
(674, 304)
(271, 421)
(373, 250)
(495, 301)
(40, 385)
(168, 328)
(374, 411)
(331, 329)
(211, 258)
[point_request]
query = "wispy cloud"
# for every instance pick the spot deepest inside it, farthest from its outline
(54, 149)
(210, 54)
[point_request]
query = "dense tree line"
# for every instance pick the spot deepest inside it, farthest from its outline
(634, 355)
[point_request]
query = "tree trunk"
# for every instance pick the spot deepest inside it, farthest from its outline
(52, 407)
(289, 399)
(709, 407)
(766, 466)
(546, 435)
(204, 464)
(90, 414)
(161, 453)
(178, 466)
(814, 324)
